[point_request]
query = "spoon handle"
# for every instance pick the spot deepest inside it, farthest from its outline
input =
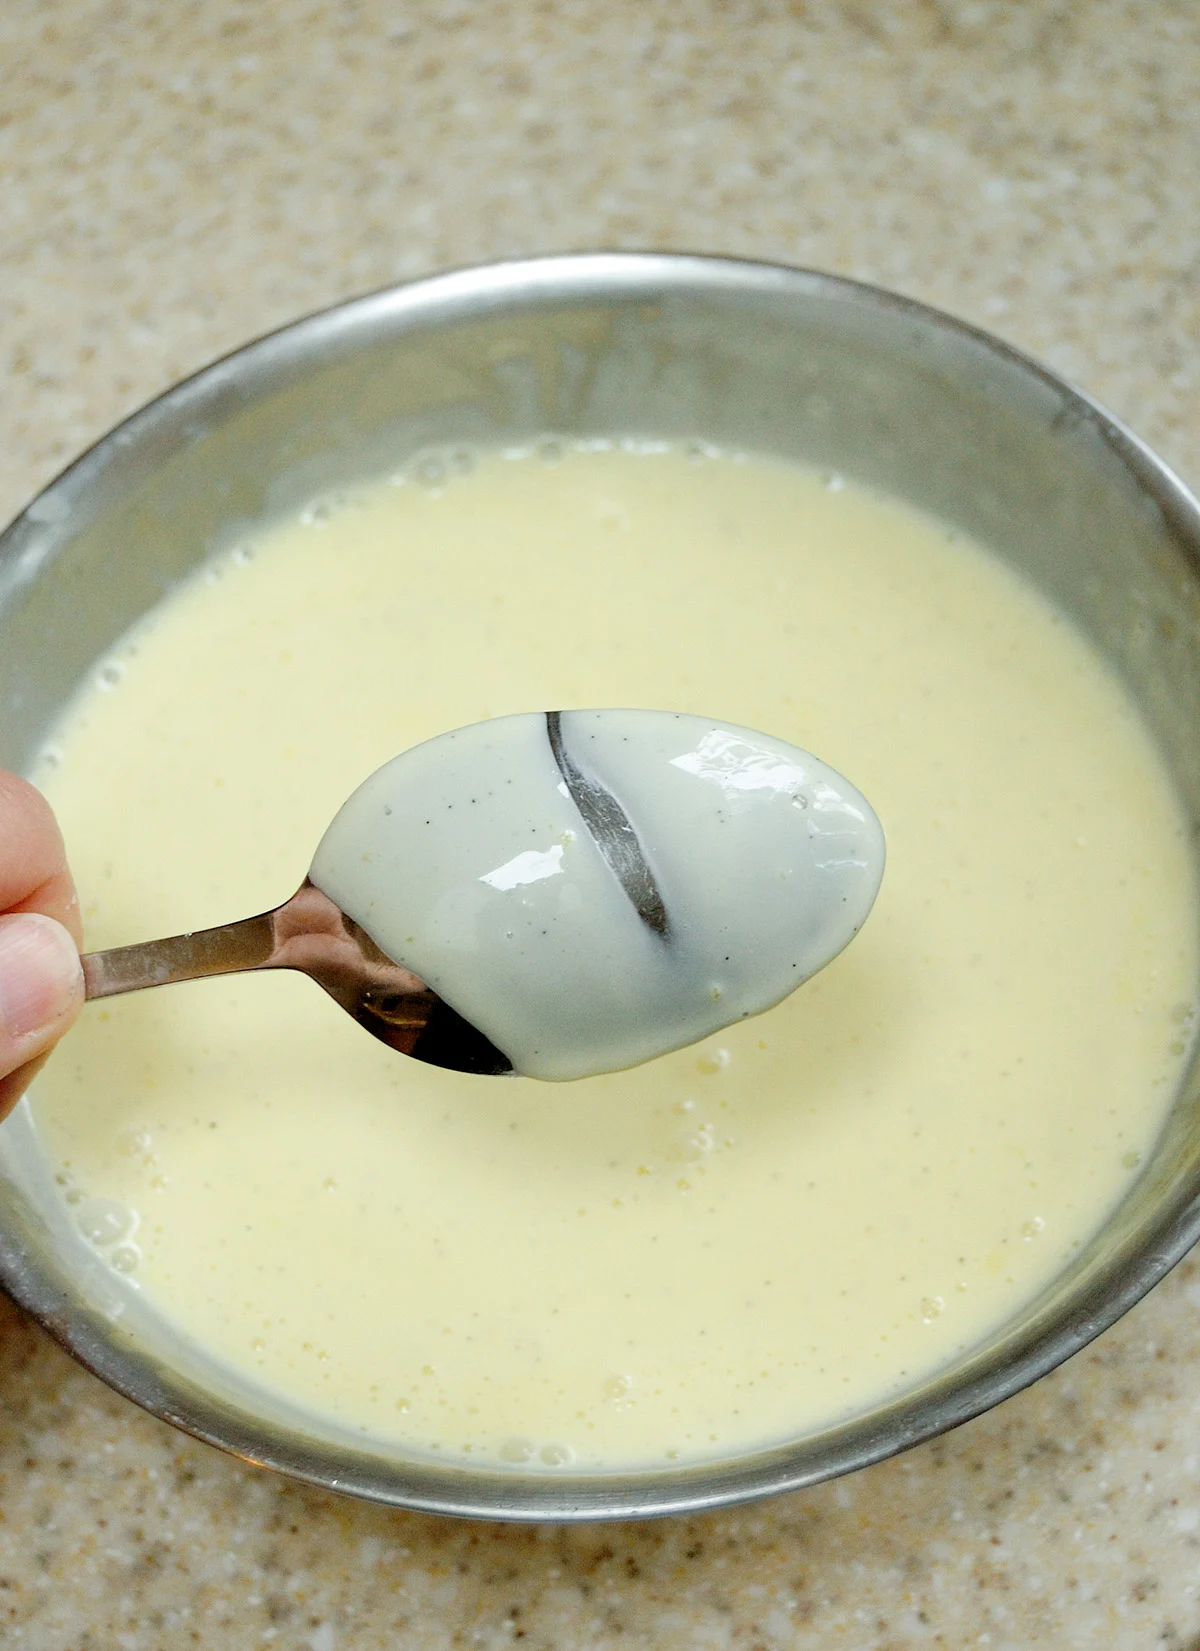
(225, 950)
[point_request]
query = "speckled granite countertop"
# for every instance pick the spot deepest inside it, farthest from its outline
(177, 178)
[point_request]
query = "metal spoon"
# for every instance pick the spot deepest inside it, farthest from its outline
(313, 935)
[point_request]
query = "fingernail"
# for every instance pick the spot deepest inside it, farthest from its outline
(39, 974)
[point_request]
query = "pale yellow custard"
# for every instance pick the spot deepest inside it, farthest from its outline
(732, 1243)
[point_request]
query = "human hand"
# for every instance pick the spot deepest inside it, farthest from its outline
(41, 982)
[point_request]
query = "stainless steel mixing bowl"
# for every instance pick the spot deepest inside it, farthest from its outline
(776, 360)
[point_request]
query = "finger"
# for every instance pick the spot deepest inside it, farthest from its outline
(33, 863)
(15, 1085)
(41, 991)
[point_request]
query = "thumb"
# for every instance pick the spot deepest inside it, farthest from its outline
(41, 987)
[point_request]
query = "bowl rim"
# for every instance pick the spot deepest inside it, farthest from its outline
(449, 1489)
